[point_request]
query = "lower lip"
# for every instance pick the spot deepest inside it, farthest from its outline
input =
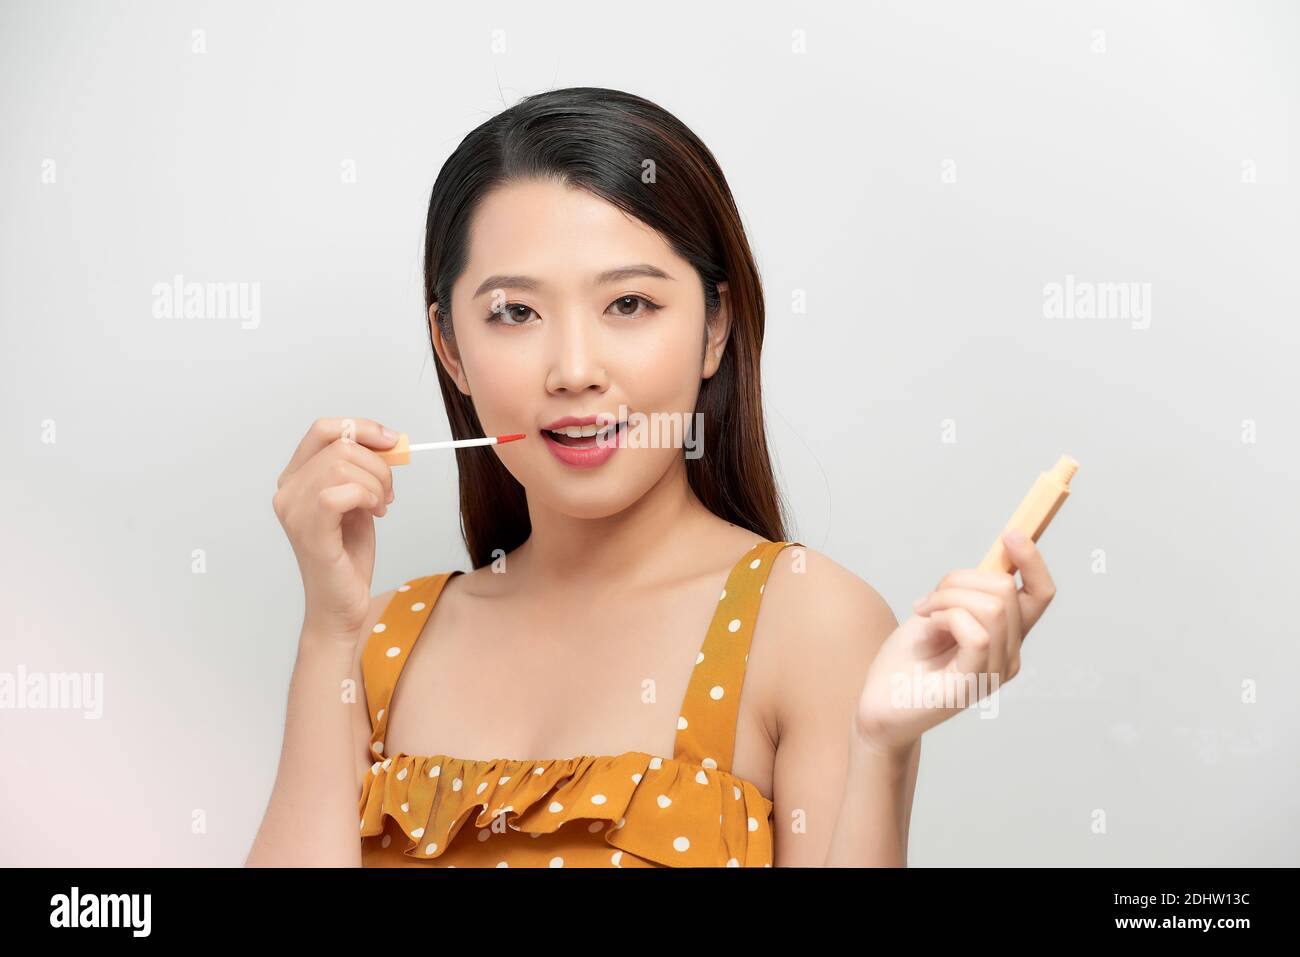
(587, 458)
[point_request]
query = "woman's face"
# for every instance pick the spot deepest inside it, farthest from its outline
(545, 328)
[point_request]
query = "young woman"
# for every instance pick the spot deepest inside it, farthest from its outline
(600, 689)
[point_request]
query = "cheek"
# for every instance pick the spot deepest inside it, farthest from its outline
(663, 372)
(502, 381)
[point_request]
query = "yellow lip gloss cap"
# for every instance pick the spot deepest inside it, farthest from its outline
(400, 453)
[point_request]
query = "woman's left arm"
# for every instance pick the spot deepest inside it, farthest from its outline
(837, 802)
(876, 808)
(853, 792)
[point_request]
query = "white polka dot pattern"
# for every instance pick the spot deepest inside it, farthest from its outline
(633, 809)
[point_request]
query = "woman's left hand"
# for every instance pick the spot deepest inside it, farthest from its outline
(970, 626)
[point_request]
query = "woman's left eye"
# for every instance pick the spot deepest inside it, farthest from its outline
(623, 300)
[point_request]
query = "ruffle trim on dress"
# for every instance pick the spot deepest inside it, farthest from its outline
(666, 811)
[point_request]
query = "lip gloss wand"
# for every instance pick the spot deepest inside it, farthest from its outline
(400, 453)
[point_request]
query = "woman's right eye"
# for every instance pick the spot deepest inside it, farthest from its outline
(507, 311)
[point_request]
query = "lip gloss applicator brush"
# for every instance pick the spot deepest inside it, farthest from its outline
(400, 453)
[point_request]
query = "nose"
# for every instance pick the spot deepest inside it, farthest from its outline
(576, 366)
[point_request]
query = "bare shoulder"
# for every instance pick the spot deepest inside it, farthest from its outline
(824, 624)
(810, 590)
(828, 626)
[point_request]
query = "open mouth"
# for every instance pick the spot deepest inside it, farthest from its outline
(585, 436)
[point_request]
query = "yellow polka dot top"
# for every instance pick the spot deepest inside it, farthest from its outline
(627, 810)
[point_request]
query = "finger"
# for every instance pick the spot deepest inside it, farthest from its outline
(984, 580)
(366, 459)
(324, 431)
(1039, 588)
(340, 499)
(1002, 587)
(989, 610)
(344, 472)
(931, 641)
(324, 468)
(973, 642)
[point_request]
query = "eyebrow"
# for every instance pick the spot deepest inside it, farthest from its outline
(504, 281)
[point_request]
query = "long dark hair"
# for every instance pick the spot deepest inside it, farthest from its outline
(600, 140)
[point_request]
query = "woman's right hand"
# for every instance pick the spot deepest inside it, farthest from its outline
(327, 499)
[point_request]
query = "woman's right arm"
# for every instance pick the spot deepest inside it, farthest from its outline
(311, 818)
(327, 499)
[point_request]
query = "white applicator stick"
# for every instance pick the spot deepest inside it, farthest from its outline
(400, 453)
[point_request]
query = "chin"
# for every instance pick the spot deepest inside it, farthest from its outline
(588, 509)
(589, 495)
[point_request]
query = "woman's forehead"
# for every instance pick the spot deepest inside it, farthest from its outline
(557, 234)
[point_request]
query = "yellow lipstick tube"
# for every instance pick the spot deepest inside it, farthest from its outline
(1036, 510)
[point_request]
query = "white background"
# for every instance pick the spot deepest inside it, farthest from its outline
(924, 304)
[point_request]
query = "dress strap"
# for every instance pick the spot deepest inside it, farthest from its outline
(389, 644)
(706, 725)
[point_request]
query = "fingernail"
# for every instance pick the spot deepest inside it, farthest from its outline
(390, 496)
(388, 433)
(1015, 536)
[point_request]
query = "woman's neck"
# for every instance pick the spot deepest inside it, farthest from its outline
(642, 544)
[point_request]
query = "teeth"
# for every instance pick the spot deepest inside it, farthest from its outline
(577, 431)
(581, 431)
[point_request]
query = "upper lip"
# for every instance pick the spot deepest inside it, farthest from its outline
(578, 420)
